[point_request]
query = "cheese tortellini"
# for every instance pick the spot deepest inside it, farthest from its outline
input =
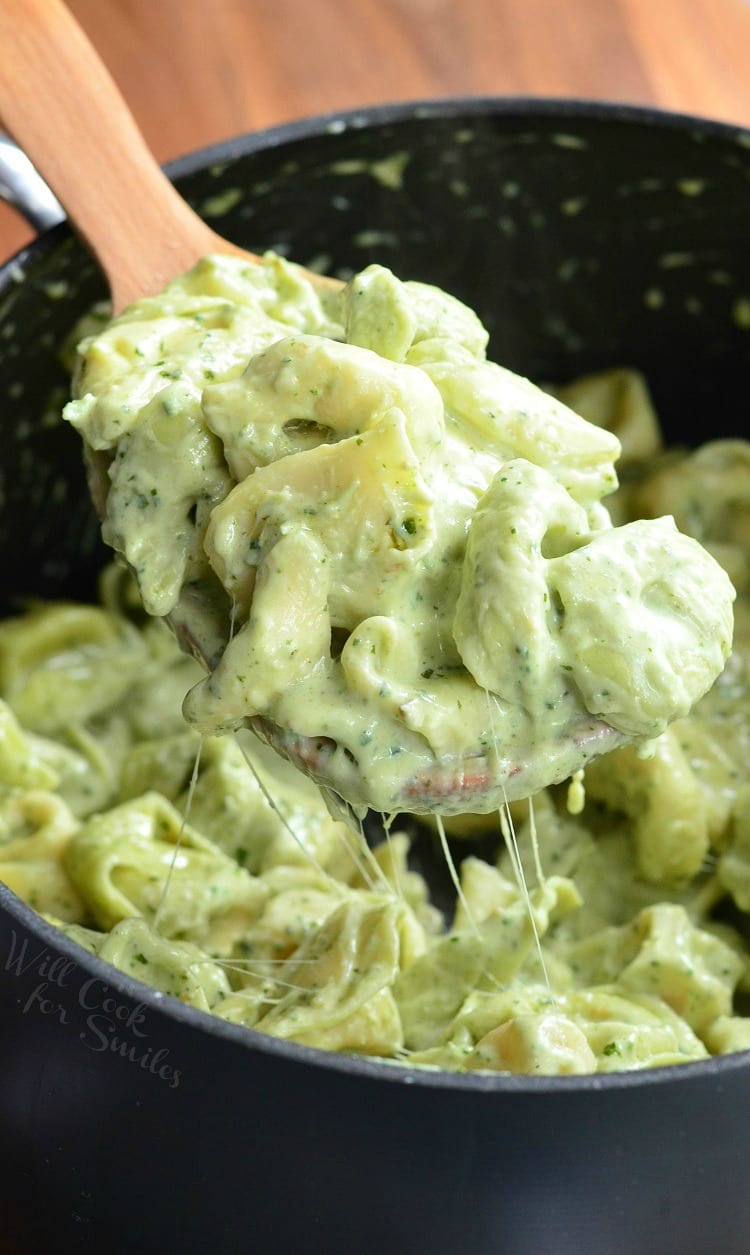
(214, 871)
(420, 574)
(425, 600)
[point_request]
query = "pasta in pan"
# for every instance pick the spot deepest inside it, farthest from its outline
(244, 898)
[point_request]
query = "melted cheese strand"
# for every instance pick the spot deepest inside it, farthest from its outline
(453, 873)
(341, 831)
(534, 837)
(511, 843)
(246, 966)
(297, 841)
(178, 842)
(388, 822)
(359, 863)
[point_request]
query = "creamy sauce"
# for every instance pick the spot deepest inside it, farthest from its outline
(406, 536)
(598, 940)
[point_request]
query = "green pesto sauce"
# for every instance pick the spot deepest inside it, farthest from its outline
(215, 873)
(423, 581)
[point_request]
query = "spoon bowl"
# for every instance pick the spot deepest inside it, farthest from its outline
(476, 784)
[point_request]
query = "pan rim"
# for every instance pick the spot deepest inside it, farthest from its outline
(714, 1068)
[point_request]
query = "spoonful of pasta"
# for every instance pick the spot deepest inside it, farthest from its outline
(390, 553)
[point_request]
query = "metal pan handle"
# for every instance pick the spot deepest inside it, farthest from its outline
(25, 190)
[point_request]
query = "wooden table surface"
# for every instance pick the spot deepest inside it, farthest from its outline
(196, 71)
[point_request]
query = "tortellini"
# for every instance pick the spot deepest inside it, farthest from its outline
(637, 617)
(419, 593)
(420, 574)
(620, 402)
(334, 391)
(336, 992)
(171, 508)
(65, 664)
(35, 830)
(141, 858)
(664, 802)
(214, 872)
(177, 968)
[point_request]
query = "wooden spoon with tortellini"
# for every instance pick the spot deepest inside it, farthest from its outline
(541, 700)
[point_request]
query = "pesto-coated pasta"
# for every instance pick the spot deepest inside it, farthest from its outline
(396, 535)
(265, 911)
(613, 938)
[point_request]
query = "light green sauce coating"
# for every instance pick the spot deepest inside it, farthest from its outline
(410, 540)
(280, 918)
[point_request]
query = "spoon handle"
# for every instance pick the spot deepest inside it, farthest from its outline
(63, 108)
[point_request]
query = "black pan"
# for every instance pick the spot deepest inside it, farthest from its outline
(586, 236)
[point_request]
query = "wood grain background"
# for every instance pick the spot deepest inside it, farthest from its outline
(196, 71)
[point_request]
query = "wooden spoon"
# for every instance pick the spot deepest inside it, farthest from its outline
(62, 107)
